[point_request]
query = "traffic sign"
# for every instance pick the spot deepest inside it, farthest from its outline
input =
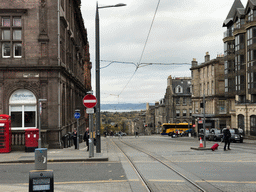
(89, 101)
(77, 115)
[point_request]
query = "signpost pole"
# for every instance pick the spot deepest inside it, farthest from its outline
(90, 111)
(77, 131)
(89, 102)
(40, 112)
(204, 121)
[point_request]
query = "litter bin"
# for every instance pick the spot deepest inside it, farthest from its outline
(65, 141)
(31, 139)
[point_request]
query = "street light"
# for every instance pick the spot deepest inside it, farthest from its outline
(97, 59)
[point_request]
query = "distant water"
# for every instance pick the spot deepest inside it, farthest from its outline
(120, 111)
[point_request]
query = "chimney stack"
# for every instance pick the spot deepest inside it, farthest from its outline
(194, 62)
(207, 57)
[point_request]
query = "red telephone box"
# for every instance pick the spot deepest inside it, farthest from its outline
(5, 133)
(31, 139)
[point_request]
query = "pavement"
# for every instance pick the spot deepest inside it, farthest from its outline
(71, 154)
(58, 155)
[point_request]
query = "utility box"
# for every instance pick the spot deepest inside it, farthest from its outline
(41, 180)
(41, 159)
(31, 139)
(5, 133)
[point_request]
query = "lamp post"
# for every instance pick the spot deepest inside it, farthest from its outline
(97, 60)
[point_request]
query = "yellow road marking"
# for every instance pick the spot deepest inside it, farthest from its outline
(217, 181)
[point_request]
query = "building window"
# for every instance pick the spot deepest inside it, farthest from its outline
(253, 125)
(179, 89)
(251, 15)
(11, 37)
(22, 107)
(222, 107)
(239, 42)
(178, 100)
(184, 113)
(177, 113)
(190, 112)
(208, 89)
(184, 101)
(226, 85)
(213, 88)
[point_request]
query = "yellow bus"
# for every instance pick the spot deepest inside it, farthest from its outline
(168, 128)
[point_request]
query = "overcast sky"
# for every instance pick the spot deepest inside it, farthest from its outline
(182, 30)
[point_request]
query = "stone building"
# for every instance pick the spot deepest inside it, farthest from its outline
(208, 80)
(45, 55)
(150, 119)
(178, 108)
(160, 115)
(240, 64)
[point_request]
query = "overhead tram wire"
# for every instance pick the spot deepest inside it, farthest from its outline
(137, 65)
(111, 62)
(149, 31)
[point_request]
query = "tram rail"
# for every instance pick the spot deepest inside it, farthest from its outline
(143, 179)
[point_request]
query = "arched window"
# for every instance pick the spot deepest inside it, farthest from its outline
(179, 89)
(241, 122)
(253, 125)
(22, 109)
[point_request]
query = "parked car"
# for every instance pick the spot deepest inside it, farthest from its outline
(201, 134)
(236, 136)
(215, 135)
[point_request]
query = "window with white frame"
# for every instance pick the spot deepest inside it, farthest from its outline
(177, 113)
(22, 109)
(184, 113)
(179, 89)
(11, 37)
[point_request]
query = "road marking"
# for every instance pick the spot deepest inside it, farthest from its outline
(217, 181)
(164, 180)
(84, 182)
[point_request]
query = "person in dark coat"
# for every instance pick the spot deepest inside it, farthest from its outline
(75, 138)
(226, 138)
(86, 138)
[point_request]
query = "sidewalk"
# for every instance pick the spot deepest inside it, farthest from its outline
(58, 155)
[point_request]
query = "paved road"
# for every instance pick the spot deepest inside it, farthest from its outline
(228, 170)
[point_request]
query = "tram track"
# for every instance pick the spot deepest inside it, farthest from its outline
(207, 186)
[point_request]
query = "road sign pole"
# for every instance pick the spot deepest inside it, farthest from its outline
(77, 116)
(77, 141)
(91, 142)
(89, 102)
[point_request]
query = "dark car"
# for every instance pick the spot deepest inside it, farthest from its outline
(236, 136)
(215, 135)
(201, 134)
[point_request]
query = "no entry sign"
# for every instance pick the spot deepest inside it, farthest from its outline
(89, 101)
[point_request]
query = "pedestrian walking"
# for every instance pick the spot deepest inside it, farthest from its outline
(86, 137)
(75, 138)
(226, 138)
